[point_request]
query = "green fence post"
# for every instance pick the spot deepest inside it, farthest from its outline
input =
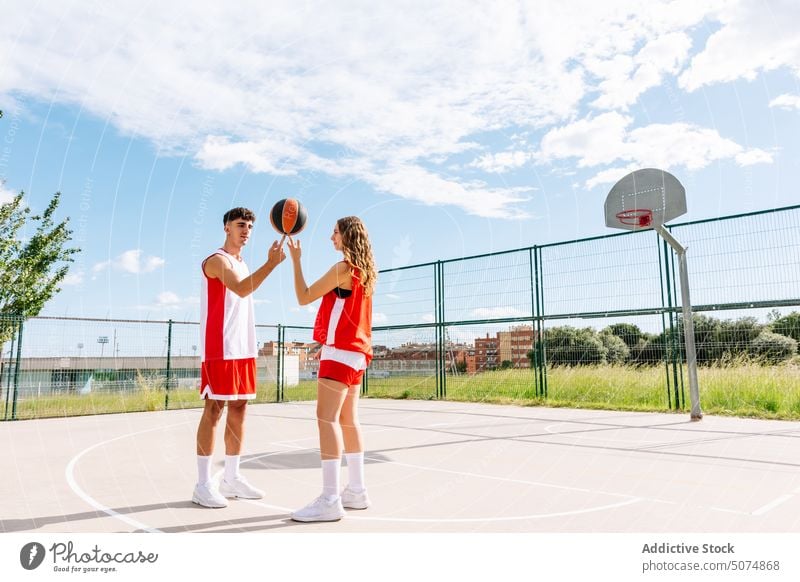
(679, 343)
(664, 311)
(443, 334)
(534, 363)
(169, 364)
(8, 372)
(437, 329)
(16, 372)
(278, 366)
(670, 342)
(541, 352)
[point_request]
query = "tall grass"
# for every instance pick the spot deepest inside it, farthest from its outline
(735, 389)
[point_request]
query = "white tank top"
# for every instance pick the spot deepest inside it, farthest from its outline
(227, 321)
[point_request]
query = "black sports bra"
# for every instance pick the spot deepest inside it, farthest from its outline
(342, 293)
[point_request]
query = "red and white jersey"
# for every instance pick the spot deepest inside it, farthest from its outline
(227, 321)
(346, 322)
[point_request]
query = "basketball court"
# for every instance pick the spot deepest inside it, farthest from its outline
(432, 466)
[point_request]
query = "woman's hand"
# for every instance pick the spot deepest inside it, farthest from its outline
(294, 249)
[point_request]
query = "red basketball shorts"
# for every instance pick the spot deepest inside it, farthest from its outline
(342, 365)
(228, 379)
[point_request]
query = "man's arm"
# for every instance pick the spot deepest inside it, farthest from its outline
(217, 267)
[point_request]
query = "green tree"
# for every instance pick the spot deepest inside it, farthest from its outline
(627, 332)
(31, 269)
(735, 335)
(788, 325)
(773, 348)
(569, 346)
(617, 351)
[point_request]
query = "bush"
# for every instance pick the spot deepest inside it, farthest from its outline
(627, 332)
(773, 348)
(617, 352)
(570, 346)
(788, 325)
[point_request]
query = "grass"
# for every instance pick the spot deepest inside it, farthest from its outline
(743, 389)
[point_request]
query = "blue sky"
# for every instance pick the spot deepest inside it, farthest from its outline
(454, 129)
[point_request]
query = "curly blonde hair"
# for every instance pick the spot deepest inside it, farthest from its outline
(358, 250)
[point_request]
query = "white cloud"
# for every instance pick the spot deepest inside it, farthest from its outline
(596, 140)
(379, 318)
(786, 101)
(388, 94)
(625, 78)
(131, 262)
(755, 36)
(606, 139)
(73, 279)
(418, 184)
(496, 312)
(754, 156)
(6, 196)
(501, 162)
(167, 299)
(610, 176)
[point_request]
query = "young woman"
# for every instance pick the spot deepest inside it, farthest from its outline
(344, 328)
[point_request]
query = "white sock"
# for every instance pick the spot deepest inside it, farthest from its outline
(231, 467)
(330, 477)
(355, 469)
(203, 469)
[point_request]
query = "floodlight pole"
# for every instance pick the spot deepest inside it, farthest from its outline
(688, 324)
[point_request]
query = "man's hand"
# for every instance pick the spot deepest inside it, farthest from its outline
(276, 253)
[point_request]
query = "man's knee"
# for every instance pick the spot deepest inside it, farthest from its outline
(236, 409)
(213, 411)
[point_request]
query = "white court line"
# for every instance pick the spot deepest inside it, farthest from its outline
(631, 499)
(578, 435)
(69, 473)
(772, 504)
(464, 519)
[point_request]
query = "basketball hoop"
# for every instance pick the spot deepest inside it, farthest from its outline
(637, 217)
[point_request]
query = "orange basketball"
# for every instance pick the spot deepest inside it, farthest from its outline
(288, 216)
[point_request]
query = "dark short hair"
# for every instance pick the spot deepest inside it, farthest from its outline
(237, 213)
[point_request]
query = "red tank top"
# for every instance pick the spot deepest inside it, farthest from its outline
(346, 322)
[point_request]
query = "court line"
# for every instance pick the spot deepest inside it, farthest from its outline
(69, 474)
(772, 504)
(630, 498)
(464, 519)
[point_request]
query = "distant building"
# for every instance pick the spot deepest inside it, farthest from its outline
(307, 355)
(515, 344)
(486, 355)
(507, 346)
(55, 375)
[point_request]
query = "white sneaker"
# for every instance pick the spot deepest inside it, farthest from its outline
(354, 499)
(240, 488)
(321, 509)
(206, 495)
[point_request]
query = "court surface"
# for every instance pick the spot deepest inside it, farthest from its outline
(431, 467)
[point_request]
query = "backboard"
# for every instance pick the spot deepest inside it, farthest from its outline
(643, 199)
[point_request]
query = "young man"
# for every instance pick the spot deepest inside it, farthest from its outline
(228, 355)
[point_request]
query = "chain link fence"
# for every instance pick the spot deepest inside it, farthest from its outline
(590, 322)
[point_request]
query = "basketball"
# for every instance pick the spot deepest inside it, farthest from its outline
(288, 216)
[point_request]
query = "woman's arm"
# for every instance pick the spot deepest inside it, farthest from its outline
(337, 276)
